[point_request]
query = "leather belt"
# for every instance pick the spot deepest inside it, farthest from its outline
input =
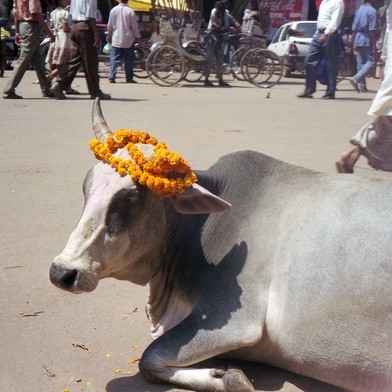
(79, 21)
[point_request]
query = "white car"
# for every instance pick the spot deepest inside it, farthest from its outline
(291, 42)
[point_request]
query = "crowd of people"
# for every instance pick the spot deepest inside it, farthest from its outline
(75, 40)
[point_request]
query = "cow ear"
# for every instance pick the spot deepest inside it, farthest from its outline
(198, 200)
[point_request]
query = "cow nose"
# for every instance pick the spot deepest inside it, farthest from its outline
(62, 277)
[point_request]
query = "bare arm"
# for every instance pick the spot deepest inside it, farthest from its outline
(41, 21)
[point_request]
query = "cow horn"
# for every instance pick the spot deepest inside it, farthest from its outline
(100, 126)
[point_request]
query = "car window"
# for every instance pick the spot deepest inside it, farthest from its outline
(285, 35)
(308, 28)
(277, 35)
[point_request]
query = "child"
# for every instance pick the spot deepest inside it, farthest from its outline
(59, 51)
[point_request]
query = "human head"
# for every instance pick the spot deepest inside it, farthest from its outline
(220, 6)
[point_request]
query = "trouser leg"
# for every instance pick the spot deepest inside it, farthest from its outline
(312, 59)
(38, 63)
(331, 52)
(89, 57)
(116, 55)
(365, 63)
(129, 60)
(218, 54)
(65, 79)
(209, 59)
(30, 42)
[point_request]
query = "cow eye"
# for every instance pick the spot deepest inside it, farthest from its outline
(121, 209)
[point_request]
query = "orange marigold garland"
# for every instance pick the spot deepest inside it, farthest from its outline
(164, 174)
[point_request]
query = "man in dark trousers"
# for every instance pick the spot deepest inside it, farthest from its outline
(84, 51)
(325, 44)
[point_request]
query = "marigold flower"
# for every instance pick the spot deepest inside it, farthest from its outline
(164, 174)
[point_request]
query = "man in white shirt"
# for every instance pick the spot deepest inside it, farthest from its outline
(84, 51)
(325, 44)
(122, 33)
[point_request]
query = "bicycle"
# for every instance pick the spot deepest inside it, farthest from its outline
(169, 62)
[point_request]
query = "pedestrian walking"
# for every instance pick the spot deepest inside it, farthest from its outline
(84, 50)
(374, 140)
(123, 32)
(325, 44)
(28, 22)
(365, 34)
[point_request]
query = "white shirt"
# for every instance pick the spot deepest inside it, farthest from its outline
(83, 9)
(122, 26)
(382, 103)
(330, 15)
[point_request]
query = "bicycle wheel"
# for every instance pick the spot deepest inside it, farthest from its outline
(262, 67)
(141, 54)
(195, 68)
(235, 63)
(166, 66)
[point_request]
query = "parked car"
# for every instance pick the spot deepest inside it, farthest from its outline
(291, 42)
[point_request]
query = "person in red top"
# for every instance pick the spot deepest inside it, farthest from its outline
(28, 21)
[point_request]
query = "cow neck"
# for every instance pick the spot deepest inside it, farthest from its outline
(167, 291)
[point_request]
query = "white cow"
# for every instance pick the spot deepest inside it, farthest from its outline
(296, 274)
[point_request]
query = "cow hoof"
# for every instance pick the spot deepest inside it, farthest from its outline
(235, 380)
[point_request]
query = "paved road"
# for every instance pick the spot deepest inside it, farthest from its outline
(52, 340)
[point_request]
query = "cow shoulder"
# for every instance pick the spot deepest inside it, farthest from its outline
(230, 171)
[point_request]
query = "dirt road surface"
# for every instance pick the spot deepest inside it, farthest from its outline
(52, 341)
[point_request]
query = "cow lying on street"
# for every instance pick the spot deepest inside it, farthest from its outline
(261, 261)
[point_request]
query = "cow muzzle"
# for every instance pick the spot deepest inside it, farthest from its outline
(70, 279)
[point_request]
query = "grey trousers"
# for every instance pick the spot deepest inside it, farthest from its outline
(29, 53)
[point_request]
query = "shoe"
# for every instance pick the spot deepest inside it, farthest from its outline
(223, 84)
(57, 91)
(12, 96)
(102, 96)
(71, 91)
(305, 95)
(112, 81)
(131, 81)
(207, 83)
(328, 96)
(47, 94)
(354, 83)
(363, 90)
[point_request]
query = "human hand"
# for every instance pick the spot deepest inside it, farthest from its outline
(323, 38)
(18, 39)
(96, 41)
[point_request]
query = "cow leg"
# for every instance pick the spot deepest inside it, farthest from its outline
(168, 358)
(230, 380)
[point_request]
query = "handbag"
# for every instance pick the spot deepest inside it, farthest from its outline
(106, 49)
